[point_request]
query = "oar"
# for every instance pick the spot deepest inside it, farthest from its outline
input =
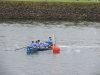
(20, 48)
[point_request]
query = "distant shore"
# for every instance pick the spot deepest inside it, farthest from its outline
(50, 10)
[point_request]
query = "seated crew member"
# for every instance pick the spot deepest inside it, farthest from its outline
(32, 44)
(39, 44)
(36, 44)
(42, 46)
(50, 41)
(46, 45)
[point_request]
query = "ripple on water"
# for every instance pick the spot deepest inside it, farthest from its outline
(79, 43)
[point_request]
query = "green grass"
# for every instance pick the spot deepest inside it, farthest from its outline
(55, 0)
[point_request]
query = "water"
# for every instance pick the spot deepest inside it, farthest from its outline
(79, 43)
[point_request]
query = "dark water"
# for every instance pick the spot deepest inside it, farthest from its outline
(79, 43)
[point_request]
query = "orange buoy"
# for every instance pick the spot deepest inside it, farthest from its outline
(56, 49)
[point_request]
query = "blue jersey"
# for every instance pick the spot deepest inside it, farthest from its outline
(50, 42)
(46, 45)
(35, 46)
(40, 44)
(32, 45)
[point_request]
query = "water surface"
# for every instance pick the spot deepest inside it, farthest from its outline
(79, 43)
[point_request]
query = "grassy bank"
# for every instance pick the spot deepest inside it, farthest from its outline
(12, 5)
(50, 10)
(56, 0)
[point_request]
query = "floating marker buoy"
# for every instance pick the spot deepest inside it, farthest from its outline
(56, 49)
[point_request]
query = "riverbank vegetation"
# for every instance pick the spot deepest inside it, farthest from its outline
(56, 0)
(12, 5)
(55, 10)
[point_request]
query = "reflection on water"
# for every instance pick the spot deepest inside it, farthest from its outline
(79, 42)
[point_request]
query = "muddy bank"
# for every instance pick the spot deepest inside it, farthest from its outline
(43, 10)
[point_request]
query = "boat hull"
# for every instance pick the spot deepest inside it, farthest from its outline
(30, 49)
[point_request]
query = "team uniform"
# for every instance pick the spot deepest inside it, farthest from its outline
(50, 42)
(46, 45)
(32, 45)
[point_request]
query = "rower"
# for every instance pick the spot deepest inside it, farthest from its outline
(32, 44)
(36, 44)
(39, 44)
(50, 41)
(46, 45)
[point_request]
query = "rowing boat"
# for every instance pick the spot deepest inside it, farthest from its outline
(31, 49)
